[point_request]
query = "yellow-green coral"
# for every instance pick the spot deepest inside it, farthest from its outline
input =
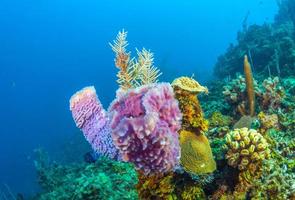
(268, 121)
(276, 183)
(218, 120)
(192, 192)
(156, 187)
(246, 150)
(196, 155)
(185, 91)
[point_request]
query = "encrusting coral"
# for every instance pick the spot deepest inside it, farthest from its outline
(196, 154)
(186, 90)
(246, 151)
(92, 119)
(145, 122)
(133, 72)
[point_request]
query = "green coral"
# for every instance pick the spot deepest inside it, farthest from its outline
(104, 179)
(218, 150)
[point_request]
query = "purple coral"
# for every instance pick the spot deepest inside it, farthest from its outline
(145, 122)
(92, 119)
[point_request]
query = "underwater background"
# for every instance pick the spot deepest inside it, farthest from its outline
(50, 49)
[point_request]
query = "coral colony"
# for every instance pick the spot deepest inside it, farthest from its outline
(156, 141)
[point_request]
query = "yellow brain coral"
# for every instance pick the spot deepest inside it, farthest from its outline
(196, 155)
(185, 89)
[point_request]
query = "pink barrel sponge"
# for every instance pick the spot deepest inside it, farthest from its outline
(92, 119)
(145, 122)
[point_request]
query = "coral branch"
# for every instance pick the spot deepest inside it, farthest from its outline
(133, 72)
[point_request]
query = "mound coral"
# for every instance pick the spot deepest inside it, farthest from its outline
(92, 119)
(196, 155)
(247, 150)
(186, 89)
(145, 122)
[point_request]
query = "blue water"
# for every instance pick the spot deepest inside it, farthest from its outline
(50, 49)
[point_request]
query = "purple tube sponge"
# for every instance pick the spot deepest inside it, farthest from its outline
(92, 119)
(145, 122)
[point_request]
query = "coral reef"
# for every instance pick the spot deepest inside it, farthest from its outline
(105, 179)
(92, 119)
(145, 122)
(170, 150)
(271, 48)
(247, 150)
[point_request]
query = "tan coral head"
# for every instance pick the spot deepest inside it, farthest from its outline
(189, 84)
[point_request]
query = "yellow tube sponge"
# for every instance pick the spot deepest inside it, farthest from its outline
(196, 155)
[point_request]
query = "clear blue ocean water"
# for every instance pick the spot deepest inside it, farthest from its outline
(50, 49)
